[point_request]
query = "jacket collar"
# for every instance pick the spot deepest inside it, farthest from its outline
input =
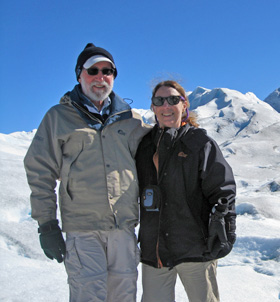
(169, 136)
(119, 108)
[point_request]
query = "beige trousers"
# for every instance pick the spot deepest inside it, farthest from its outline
(198, 279)
(102, 265)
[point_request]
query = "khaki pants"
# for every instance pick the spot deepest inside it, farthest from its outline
(102, 266)
(198, 279)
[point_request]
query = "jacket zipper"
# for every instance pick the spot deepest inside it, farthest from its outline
(98, 120)
(86, 112)
(159, 263)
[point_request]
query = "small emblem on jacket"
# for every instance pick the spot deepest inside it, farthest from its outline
(121, 132)
(182, 154)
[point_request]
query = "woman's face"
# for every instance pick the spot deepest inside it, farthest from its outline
(169, 115)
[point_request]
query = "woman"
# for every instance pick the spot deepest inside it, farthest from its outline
(187, 202)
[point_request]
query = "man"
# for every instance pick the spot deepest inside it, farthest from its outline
(88, 142)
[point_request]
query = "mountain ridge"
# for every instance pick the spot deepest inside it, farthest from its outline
(274, 99)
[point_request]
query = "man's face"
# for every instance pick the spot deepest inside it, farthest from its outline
(97, 87)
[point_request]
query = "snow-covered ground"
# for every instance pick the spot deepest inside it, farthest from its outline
(247, 130)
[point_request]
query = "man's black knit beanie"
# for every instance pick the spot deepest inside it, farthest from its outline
(89, 51)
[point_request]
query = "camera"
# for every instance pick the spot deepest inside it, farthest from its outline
(151, 198)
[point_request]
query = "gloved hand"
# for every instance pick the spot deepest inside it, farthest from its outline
(219, 242)
(52, 241)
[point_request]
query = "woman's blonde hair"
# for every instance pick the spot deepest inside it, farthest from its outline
(191, 117)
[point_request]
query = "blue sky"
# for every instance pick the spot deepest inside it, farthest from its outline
(218, 43)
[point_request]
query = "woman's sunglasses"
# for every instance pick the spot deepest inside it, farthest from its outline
(105, 71)
(171, 100)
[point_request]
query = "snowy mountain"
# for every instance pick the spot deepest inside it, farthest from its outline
(247, 130)
(230, 114)
(274, 99)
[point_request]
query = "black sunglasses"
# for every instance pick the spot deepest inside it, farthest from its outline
(171, 100)
(105, 71)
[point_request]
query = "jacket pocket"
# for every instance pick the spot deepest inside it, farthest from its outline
(64, 187)
(65, 175)
(72, 260)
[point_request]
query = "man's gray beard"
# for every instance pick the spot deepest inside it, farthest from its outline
(101, 96)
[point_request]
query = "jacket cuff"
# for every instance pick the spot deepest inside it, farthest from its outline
(48, 226)
(231, 237)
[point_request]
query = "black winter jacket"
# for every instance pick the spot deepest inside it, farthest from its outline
(192, 176)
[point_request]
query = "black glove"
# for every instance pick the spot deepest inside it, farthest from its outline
(52, 241)
(219, 243)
